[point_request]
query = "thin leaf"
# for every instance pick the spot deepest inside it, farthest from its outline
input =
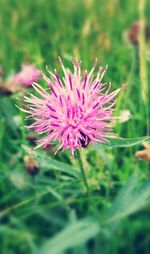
(47, 163)
(130, 199)
(73, 235)
(125, 142)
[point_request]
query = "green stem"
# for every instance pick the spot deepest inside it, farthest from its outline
(82, 171)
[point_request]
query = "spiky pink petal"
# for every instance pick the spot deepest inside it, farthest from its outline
(75, 112)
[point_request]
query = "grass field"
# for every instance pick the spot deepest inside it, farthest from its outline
(51, 212)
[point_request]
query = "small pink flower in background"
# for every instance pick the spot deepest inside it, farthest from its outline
(27, 75)
(77, 110)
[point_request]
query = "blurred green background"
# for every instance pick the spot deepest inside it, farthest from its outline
(50, 213)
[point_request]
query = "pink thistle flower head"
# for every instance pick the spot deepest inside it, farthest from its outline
(27, 75)
(77, 110)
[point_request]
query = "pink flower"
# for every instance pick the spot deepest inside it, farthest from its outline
(27, 75)
(75, 112)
